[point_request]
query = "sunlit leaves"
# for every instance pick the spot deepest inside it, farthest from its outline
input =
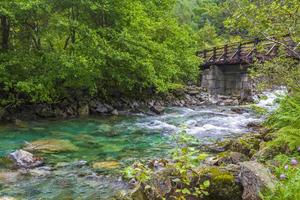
(95, 46)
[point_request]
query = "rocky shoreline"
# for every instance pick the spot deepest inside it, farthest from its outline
(71, 108)
(236, 173)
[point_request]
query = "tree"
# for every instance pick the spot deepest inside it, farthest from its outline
(58, 48)
(267, 19)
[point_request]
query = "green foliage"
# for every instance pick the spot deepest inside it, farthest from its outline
(279, 72)
(186, 180)
(97, 47)
(263, 18)
(285, 122)
(187, 158)
(258, 110)
(287, 188)
(139, 172)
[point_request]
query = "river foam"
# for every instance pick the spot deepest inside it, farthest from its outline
(209, 122)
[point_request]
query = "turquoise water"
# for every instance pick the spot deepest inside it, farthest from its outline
(122, 139)
(97, 139)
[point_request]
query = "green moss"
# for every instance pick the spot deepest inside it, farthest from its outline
(223, 185)
(258, 110)
(263, 97)
(248, 144)
(6, 163)
(225, 178)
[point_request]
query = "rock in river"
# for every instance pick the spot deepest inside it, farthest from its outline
(106, 165)
(25, 159)
(7, 198)
(8, 176)
(157, 109)
(20, 124)
(51, 146)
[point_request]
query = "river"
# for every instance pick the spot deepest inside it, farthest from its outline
(121, 139)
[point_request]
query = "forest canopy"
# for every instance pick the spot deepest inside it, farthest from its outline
(51, 48)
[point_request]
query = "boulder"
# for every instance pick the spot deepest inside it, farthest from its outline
(248, 144)
(20, 123)
(83, 111)
(50, 146)
(45, 111)
(115, 112)
(255, 178)
(101, 108)
(8, 176)
(230, 158)
(238, 110)
(2, 113)
(223, 183)
(193, 92)
(41, 171)
(157, 109)
(25, 159)
(7, 198)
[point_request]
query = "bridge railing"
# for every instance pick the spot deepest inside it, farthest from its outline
(247, 52)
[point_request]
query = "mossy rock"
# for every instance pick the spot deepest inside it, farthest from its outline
(268, 152)
(84, 140)
(105, 165)
(249, 144)
(6, 163)
(223, 185)
(226, 158)
(50, 146)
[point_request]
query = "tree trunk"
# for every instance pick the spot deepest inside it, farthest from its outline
(5, 26)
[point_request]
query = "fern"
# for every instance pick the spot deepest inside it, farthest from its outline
(285, 122)
(288, 135)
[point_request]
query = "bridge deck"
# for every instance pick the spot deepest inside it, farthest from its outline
(247, 52)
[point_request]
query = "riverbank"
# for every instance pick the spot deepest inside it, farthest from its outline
(86, 106)
(234, 173)
(263, 164)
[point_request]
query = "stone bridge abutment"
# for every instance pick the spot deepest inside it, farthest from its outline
(229, 80)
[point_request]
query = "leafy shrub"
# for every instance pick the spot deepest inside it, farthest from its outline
(185, 180)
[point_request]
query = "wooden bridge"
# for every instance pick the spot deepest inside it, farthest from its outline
(249, 52)
(225, 68)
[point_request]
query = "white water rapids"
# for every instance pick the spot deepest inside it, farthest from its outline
(210, 122)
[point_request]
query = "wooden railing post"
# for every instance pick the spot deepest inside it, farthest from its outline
(225, 52)
(254, 54)
(239, 52)
(214, 53)
(204, 54)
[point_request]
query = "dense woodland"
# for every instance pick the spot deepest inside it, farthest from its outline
(53, 49)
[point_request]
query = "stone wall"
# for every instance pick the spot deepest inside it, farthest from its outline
(231, 80)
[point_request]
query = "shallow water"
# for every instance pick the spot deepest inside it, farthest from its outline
(121, 139)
